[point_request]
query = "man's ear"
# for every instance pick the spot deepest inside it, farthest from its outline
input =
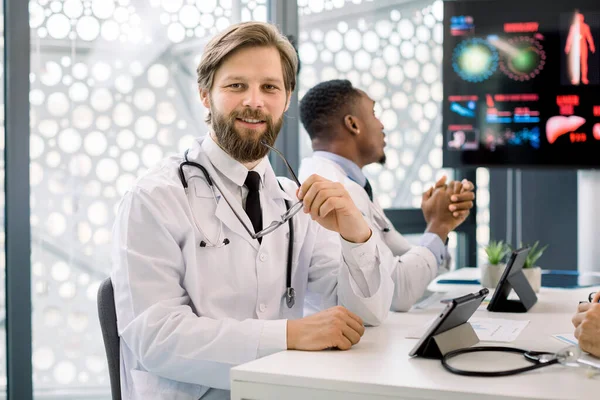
(351, 123)
(205, 98)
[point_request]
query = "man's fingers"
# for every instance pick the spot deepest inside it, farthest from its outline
(351, 334)
(461, 214)
(457, 187)
(315, 189)
(467, 196)
(441, 182)
(467, 186)
(465, 205)
(583, 307)
(427, 194)
(328, 206)
(596, 298)
(578, 318)
(306, 185)
(354, 317)
(354, 325)
(343, 343)
(321, 198)
(577, 332)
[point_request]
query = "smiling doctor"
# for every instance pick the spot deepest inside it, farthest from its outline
(212, 258)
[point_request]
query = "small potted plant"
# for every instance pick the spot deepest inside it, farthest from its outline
(532, 272)
(492, 270)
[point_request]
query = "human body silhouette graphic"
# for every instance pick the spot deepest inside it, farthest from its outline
(580, 36)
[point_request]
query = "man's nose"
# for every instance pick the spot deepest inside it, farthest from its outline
(254, 98)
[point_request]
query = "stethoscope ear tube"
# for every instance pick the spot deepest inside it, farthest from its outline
(290, 293)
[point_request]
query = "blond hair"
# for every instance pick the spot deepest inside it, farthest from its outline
(247, 34)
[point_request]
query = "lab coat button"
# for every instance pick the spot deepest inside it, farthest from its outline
(262, 257)
(262, 307)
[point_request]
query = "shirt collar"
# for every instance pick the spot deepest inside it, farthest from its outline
(350, 168)
(229, 167)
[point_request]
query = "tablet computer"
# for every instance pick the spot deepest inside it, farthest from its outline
(513, 278)
(456, 313)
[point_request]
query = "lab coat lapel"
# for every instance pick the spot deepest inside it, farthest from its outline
(224, 212)
(226, 215)
(274, 199)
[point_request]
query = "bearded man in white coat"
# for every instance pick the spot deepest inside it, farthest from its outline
(201, 242)
(346, 136)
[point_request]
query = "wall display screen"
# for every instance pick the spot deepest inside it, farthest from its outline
(521, 83)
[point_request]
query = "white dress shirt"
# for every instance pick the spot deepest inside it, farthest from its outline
(415, 266)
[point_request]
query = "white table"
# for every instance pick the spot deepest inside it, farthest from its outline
(379, 366)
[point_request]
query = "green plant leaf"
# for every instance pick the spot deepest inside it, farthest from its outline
(535, 252)
(496, 251)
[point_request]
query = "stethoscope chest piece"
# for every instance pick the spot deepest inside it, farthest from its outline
(290, 297)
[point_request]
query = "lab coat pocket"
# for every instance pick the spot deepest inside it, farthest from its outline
(148, 386)
(204, 207)
(202, 188)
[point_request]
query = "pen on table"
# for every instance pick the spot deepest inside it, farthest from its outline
(447, 301)
(459, 281)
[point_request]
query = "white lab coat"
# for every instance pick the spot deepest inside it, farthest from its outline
(187, 314)
(414, 267)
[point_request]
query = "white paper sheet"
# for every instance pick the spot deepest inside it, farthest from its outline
(498, 330)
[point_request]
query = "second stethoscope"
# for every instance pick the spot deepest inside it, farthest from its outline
(290, 293)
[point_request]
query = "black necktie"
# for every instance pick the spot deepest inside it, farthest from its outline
(369, 190)
(253, 201)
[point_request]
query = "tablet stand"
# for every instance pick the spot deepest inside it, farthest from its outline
(522, 288)
(458, 337)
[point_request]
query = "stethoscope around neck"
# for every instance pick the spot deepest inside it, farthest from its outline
(290, 293)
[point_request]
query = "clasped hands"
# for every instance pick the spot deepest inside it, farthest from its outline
(447, 205)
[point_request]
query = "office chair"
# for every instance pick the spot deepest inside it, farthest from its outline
(108, 324)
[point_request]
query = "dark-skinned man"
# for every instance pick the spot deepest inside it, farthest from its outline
(346, 136)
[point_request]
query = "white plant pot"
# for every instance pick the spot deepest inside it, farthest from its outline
(491, 274)
(534, 277)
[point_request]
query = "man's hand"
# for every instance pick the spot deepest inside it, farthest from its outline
(330, 205)
(435, 205)
(587, 326)
(462, 199)
(335, 327)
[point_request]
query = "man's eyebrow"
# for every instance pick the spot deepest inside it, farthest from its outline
(276, 80)
(241, 78)
(234, 78)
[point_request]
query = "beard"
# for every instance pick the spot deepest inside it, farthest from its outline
(244, 146)
(382, 160)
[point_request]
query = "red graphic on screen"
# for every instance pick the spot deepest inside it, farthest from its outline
(567, 103)
(559, 125)
(596, 131)
(580, 37)
(516, 27)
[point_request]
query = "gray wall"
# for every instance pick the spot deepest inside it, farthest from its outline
(549, 213)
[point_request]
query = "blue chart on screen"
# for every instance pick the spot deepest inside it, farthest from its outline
(474, 60)
(463, 111)
(531, 136)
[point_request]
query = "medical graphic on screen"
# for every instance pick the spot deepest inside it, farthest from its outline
(521, 83)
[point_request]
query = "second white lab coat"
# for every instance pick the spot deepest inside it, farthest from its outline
(415, 266)
(187, 314)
